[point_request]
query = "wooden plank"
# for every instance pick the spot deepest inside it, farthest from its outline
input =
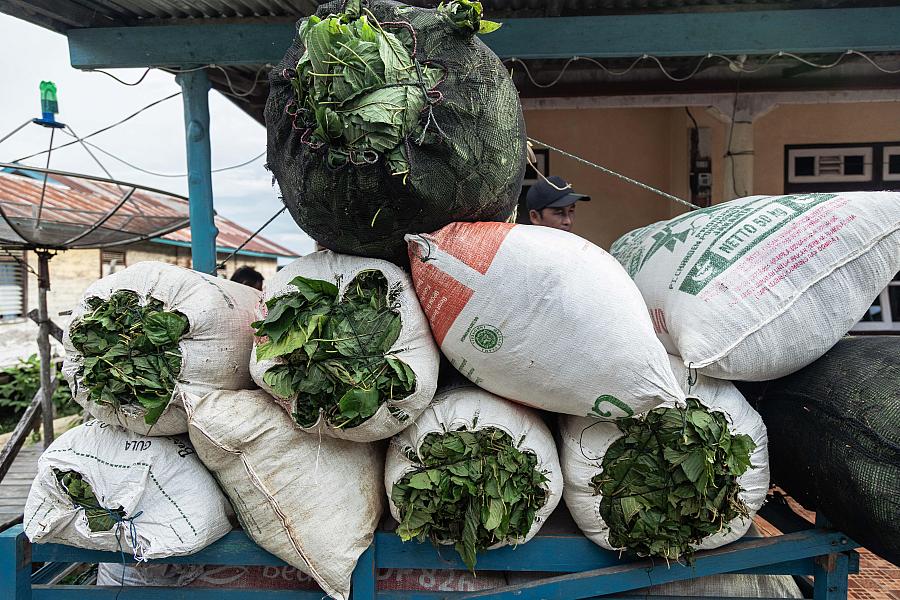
(55, 330)
(20, 433)
(668, 34)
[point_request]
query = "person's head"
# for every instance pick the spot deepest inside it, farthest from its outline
(551, 203)
(248, 276)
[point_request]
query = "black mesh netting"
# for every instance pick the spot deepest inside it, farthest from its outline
(468, 166)
(834, 438)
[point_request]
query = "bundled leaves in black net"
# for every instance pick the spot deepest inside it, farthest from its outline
(671, 480)
(99, 518)
(130, 350)
(359, 88)
(335, 350)
(466, 14)
(473, 488)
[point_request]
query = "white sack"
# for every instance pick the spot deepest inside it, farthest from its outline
(311, 500)
(759, 287)
(474, 409)
(414, 346)
(584, 442)
(214, 352)
(542, 317)
(182, 509)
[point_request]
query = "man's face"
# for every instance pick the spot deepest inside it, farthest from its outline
(558, 218)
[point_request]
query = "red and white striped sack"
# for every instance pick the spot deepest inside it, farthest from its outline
(542, 317)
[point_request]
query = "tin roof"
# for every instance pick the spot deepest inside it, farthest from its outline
(73, 205)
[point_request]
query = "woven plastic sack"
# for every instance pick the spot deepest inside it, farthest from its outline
(542, 317)
(172, 505)
(215, 351)
(584, 441)
(312, 501)
(466, 407)
(835, 440)
(468, 167)
(414, 346)
(759, 287)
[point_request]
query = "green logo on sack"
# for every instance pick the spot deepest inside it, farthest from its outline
(486, 338)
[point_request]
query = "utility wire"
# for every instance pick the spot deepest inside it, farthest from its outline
(221, 265)
(119, 80)
(101, 130)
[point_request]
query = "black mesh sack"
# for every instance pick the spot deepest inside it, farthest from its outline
(834, 438)
(466, 153)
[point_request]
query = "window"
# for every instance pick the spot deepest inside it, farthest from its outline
(851, 167)
(12, 285)
(111, 261)
(824, 165)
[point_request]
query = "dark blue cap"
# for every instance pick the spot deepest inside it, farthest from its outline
(554, 192)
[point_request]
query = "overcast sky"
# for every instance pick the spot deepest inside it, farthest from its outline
(154, 140)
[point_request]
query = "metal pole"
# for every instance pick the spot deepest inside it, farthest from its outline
(44, 346)
(195, 93)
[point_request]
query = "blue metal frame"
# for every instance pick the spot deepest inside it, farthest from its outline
(224, 250)
(676, 34)
(195, 93)
(584, 570)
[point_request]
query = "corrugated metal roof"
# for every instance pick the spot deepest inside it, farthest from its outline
(72, 204)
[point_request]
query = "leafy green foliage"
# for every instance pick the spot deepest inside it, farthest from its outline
(359, 89)
(99, 518)
(466, 15)
(335, 350)
(19, 384)
(471, 488)
(131, 352)
(671, 480)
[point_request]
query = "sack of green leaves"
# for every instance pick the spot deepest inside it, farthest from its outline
(102, 487)
(344, 347)
(311, 500)
(679, 478)
(475, 471)
(385, 119)
(142, 337)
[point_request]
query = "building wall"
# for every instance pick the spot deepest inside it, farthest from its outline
(652, 146)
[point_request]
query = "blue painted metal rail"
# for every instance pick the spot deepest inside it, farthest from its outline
(584, 570)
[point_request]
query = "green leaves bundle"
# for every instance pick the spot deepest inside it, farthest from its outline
(359, 89)
(473, 488)
(466, 14)
(99, 518)
(333, 350)
(671, 480)
(130, 350)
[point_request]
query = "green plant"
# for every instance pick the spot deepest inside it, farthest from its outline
(671, 480)
(472, 488)
(99, 518)
(335, 349)
(130, 350)
(20, 383)
(466, 14)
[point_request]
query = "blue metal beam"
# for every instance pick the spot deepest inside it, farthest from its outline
(225, 250)
(195, 93)
(680, 34)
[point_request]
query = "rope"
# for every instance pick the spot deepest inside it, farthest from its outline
(221, 265)
(649, 188)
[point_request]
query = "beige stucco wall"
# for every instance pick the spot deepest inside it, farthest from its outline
(817, 124)
(652, 145)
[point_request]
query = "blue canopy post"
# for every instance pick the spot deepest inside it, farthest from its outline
(195, 93)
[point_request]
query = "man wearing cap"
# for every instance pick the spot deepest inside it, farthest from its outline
(551, 203)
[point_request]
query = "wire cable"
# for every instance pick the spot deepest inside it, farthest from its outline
(221, 265)
(157, 174)
(119, 80)
(101, 130)
(584, 161)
